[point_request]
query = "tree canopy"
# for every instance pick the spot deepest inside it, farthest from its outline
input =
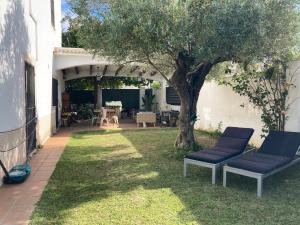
(205, 30)
(184, 39)
(70, 35)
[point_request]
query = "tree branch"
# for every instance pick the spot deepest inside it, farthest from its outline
(201, 64)
(156, 68)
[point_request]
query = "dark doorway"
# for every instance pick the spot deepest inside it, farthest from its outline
(30, 108)
(55, 98)
(130, 98)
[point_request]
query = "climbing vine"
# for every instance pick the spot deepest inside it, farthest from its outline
(267, 87)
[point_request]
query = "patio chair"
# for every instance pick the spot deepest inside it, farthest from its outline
(103, 117)
(231, 144)
(94, 119)
(165, 118)
(278, 152)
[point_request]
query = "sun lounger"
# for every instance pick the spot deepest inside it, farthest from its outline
(231, 144)
(278, 152)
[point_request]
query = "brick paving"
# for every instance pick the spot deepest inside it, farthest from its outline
(18, 201)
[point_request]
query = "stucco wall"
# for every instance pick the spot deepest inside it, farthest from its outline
(220, 106)
(26, 34)
(13, 48)
(48, 37)
(293, 120)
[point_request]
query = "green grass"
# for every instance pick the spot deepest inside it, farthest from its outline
(129, 177)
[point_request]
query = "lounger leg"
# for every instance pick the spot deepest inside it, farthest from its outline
(259, 187)
(214, 175)
(224, 178)
(184, 168)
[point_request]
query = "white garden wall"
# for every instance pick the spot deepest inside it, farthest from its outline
(293, 121)
(219, 107)
(219, 104)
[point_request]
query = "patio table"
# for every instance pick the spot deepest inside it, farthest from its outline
(145, 117)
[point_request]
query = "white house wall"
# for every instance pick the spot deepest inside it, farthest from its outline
(48, 37)
(26, 34)
(13, 48)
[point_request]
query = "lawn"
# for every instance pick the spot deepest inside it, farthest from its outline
(131, 177)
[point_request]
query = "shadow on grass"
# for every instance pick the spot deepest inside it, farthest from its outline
(99, 172)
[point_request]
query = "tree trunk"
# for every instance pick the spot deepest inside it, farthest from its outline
(185, 138)
(188, 86)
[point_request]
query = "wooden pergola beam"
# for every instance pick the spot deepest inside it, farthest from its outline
(142, 72)
(105, 70)
(76, 70)
(64, 73)
(119, 70)
(134, 68)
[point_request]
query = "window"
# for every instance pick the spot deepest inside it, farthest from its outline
(172, 96)
(52, 14)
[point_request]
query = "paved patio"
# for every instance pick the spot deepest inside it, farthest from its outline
(17, 202)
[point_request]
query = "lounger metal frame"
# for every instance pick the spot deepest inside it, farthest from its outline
(213, 166)
(259, 176)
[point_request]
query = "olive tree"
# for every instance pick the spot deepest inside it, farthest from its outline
(184, 39)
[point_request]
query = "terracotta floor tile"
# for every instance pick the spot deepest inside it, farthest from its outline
(40, 178)
(46, 171)
(17, 218)
(47, 168)
(27, 202)
(48, 163)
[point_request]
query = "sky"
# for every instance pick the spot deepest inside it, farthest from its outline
(65, 9)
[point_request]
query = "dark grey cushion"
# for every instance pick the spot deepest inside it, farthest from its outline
(281, 143)
(234, 143)
(238, 132)
(213, 155)
(259, 162)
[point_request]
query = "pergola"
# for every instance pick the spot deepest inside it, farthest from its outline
(74, 63)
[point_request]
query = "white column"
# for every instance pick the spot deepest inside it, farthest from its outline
(99, 99)
(163, 98)
(142, 95)
(158, 97)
